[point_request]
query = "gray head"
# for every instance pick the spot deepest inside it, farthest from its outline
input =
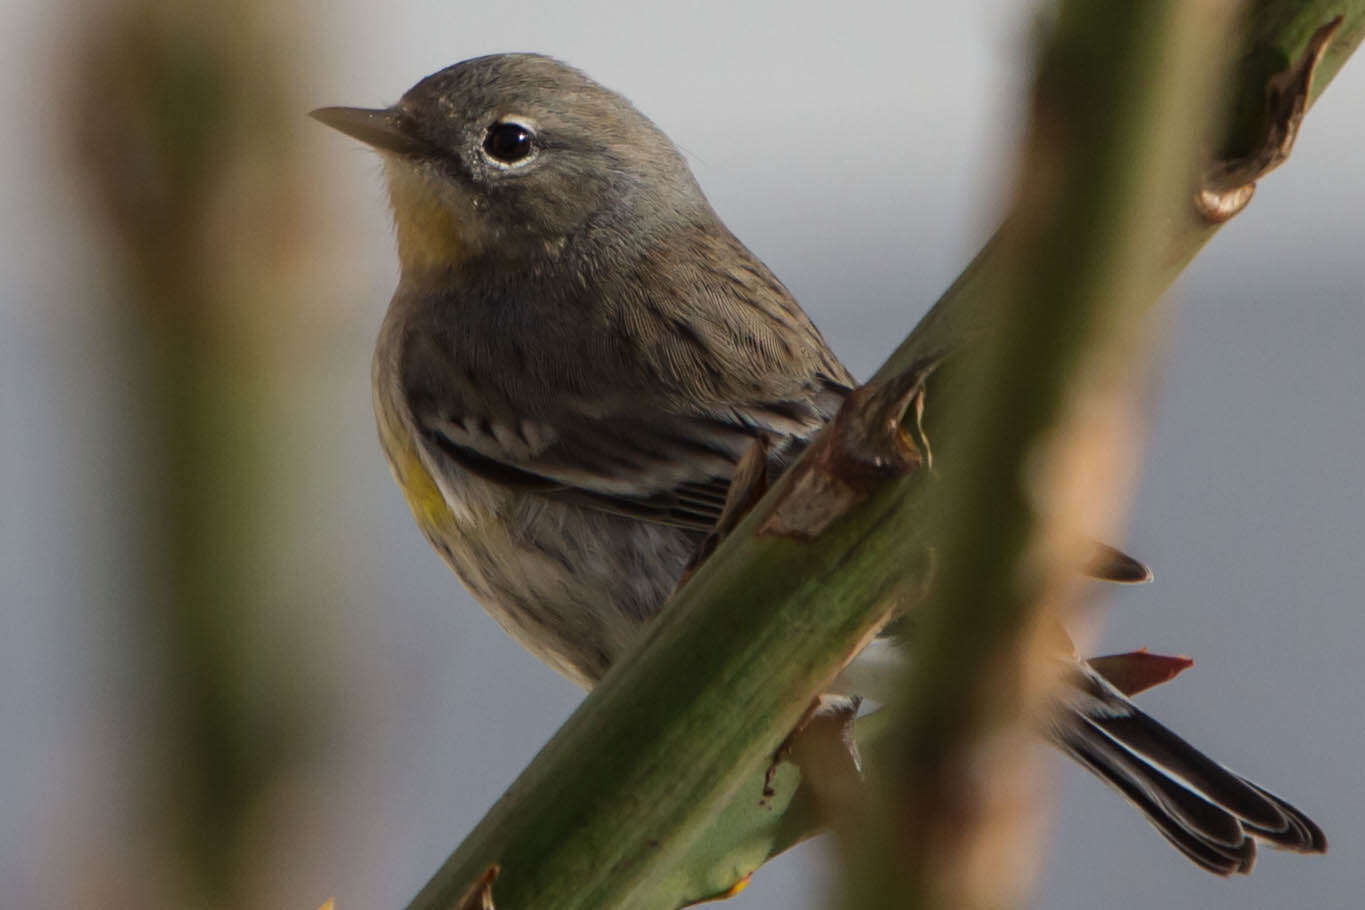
(517, 155)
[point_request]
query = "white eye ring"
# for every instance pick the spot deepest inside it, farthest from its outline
(509, 142)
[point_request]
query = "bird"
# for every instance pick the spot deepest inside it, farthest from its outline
(577, 356)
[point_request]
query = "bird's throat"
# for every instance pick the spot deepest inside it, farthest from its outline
(430, 235)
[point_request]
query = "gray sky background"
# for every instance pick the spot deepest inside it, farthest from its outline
(860, 149)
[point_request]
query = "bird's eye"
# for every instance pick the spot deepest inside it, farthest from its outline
(508, 142)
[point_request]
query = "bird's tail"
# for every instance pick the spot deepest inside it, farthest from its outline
(1209, 813)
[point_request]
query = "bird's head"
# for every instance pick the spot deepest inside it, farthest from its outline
(518, 156)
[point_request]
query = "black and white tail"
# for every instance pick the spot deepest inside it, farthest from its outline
(1211, 814)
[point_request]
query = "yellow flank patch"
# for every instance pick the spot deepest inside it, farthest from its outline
(420, 490)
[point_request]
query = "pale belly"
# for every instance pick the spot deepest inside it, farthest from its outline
(576, 587)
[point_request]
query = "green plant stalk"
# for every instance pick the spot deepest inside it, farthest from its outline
(632, 791)
(1122, 94)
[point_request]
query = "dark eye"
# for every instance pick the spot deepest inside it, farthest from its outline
(508, 142)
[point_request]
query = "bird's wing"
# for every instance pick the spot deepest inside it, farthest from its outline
(636, 391)
(672, 467)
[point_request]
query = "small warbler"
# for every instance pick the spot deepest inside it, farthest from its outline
(576, 357)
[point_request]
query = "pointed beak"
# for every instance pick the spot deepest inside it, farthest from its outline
(384, 129)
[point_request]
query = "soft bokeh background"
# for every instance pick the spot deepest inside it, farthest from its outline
(861, 150)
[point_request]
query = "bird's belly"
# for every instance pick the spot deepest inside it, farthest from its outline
(576, 587)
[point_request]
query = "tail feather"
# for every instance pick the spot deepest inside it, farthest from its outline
(1172, 755)
(1303, 834)
(1185, 834)
(1209, 813)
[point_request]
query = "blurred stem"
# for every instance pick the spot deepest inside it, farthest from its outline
(650, 794)
(1120, 103)
(176, 109)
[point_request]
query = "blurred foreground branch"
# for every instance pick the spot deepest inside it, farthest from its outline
(1122, 99)
(179, 127)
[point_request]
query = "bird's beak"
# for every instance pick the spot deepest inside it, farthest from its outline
(384, 129)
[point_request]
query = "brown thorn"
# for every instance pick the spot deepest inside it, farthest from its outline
(479, 895)
(784, 748)
(824, 729)
(1137, 671)
(1229, 184)
(747, 486)
(1109, 564)
(1220, 206)
(867, 443)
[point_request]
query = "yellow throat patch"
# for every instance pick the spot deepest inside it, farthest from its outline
(430, 234)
